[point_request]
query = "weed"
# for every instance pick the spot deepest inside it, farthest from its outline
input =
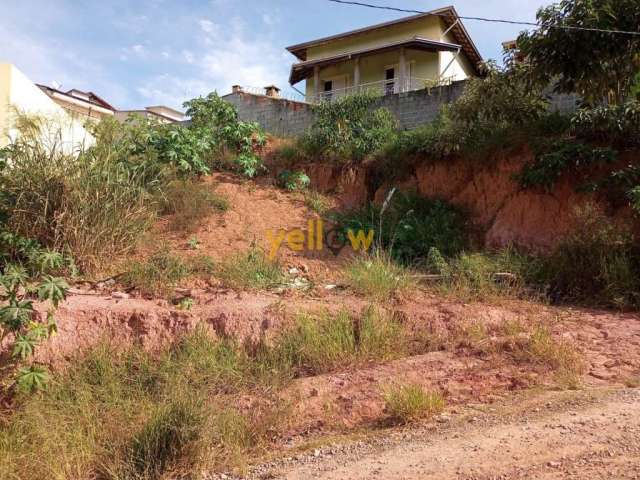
(193, 243)
(291, 181)
(157, 275)
(189, 203)
(411, 402)
(377, 276)
(541, 348)
(632, 382)
(322, 343)
(317, 202)
(250, 270)
(597, 263)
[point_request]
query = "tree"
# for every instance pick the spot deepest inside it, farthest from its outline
(596, 65)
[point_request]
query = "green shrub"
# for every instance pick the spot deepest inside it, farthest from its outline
(250, 270)
(617, 124)
(190, 203)
(216, 120)
(377, 276)
(348, 129)
(411, 402)
(597, 263)
(292, 181)
(157, 275)
(410, 226)
(556, 158)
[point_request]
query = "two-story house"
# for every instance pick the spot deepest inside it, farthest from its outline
(410, 53)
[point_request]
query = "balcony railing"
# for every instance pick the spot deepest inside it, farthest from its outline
(381, 88)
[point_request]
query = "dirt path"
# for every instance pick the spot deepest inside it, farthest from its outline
(576, 435)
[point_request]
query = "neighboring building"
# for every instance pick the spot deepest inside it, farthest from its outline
(79, 104)
(410, 53)
(19, 94)
(511, 50)
(160, 113)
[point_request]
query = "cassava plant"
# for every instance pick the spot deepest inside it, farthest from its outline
(19, 321)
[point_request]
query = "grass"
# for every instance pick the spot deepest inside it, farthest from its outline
(132, 414)
(377, 276)
(317, 202)
(541, 348)
(135, 415)
(158, 274)
(483, 276)
(190, 202)
(411, 402)
(322, 343)
(250, 270)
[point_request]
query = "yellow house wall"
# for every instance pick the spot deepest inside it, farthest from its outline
(425, 65)
(17, 92)
(428, 27)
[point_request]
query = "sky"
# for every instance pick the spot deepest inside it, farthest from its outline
(136, 53)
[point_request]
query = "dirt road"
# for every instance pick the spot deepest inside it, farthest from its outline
(572, 435)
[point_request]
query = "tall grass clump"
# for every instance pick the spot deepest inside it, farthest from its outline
(322, 343)
(411, 402)
(377, 276)
(158, 274)
(485, 275)
(189, 203)
(250, 270)
(88, 203)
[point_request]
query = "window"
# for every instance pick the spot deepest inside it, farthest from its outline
(327, 89)
(389, 83)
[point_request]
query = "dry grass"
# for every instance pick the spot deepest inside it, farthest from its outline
(411, 402)
(189, 203)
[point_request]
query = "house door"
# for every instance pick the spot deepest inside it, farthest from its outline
(389, 80)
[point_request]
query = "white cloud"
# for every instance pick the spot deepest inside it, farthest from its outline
(207, 26)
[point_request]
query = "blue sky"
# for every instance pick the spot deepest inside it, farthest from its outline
(150, 52)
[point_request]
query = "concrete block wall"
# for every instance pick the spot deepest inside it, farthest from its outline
(280, 117)
(287, 118)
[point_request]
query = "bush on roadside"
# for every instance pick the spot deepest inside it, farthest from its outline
(377, 276)
(250, 270)
(411, 402)
(410, 226)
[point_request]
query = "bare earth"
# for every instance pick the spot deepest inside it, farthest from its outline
(575, 435)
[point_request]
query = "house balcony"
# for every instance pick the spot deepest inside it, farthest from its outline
(380, 88)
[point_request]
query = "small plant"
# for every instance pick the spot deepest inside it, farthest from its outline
(377, 276)
(193, 243)
(18, 318)
(292, 181)
(411, 402)
(250, 270)
(185, 303)
(317, 202)
(542, 349)
(157, 275)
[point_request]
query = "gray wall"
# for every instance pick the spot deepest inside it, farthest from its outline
(286, 118)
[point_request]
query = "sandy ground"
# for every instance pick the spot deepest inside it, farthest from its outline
(581, 435)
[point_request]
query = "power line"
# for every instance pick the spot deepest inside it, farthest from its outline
(484, 19)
